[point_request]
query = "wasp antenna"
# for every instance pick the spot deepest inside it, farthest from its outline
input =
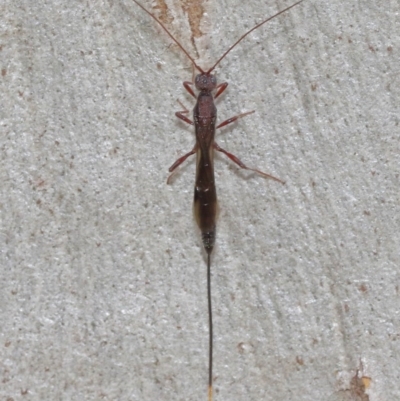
(248, 32)
(170, 35)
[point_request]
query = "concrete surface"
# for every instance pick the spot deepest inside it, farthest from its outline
(103, 292)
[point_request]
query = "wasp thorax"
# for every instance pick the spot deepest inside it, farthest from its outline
(205, 82)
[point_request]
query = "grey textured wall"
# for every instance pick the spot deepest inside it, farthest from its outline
(103, 291)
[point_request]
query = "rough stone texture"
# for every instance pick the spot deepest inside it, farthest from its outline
(103, 292)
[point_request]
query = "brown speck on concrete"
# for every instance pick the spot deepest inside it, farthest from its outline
(195, 12)
(356, 389)
(162, 12)
(363, 288)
